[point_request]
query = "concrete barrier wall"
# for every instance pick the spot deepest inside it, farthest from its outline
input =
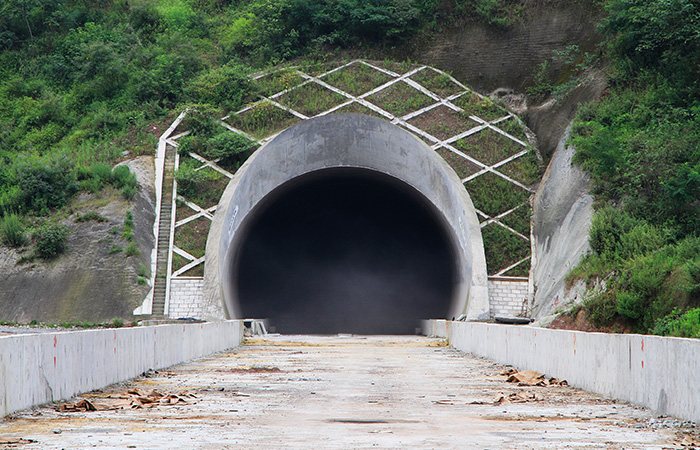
(40, 368)
(657, 372)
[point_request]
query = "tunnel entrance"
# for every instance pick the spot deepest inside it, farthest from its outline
(345, 251)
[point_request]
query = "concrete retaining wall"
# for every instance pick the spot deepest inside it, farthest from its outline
(657, 372)
(39, 368)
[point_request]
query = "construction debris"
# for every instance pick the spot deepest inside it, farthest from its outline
(133, 399)
(531, 378)
(514, 397)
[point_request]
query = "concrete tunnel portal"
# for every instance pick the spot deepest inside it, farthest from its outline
(346, 224)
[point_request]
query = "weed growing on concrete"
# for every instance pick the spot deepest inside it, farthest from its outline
(91, 216)
(144, 270)
(311, 99)
(132, 250)
(400, 99)
(263, 119)
(357, 79)
(51, 239)
(12, 231)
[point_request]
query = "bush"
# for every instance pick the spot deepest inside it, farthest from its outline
(132, 250)
(228, 86)
(128, 192)
(680, 325)
(51, 239)
(121, 176)
(616, 236)
(188, 180)
(646, 33)
(231, 149)
(629, 304)
(12, 230)
(91, 216)
(45, 184)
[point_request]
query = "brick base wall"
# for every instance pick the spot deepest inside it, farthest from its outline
(185, 297)
(506, 296)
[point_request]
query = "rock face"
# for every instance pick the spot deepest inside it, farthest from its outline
(490, 59)
(90, 281)
(562, 214)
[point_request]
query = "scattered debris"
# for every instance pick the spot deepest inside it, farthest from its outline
(133, 399)
(514, 397)
(13, 443)
(689, 442)
(531, 378)
(82, 405)
(253, 370)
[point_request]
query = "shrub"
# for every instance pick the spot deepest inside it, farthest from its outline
(228, 87)
(91, 215)
(121, 176)
(128, 232)
(45, 184)
(12, 230)
(128, 192)
(101, 172)
(188, 180)
(51, 239)
(144, 270)
(232, 148)
(629, 304)
(615, 235)
(132, 250)
(680, 325)
(601, 309)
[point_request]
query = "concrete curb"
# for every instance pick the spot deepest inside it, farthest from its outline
(40, 368)
(657, 372)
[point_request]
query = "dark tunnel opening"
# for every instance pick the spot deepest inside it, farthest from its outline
(345, 251)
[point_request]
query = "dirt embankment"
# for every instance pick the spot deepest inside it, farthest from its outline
(488, 58)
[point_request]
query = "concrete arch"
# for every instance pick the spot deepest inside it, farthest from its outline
(357, 144)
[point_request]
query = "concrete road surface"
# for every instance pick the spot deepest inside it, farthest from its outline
(340, 392)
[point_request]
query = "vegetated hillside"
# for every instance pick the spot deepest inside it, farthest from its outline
(85, 84)
(641, 144)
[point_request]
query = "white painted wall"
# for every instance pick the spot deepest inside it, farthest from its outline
(657, 372)
(39, 368)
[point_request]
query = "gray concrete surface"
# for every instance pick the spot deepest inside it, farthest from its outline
(656, 372)
(38, 368)
(347, 392)
(562, 214)
(348, 141)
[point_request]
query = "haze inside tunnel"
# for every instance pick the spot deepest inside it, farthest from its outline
(345, 252)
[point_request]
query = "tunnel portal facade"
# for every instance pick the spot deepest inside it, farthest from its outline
(346, 223)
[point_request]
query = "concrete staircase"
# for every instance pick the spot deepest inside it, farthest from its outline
(165, 214)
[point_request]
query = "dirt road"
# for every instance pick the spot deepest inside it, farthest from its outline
(340, 392)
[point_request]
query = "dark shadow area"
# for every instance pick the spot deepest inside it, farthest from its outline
(345, 252)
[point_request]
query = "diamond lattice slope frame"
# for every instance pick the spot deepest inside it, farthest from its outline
(455, 121)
